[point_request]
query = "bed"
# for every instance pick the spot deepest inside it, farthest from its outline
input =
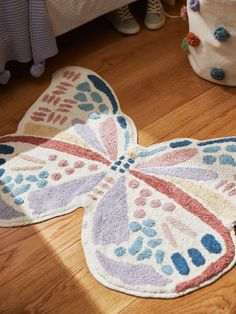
(29, 27)
(67, 15)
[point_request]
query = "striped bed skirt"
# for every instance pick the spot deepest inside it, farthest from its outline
(28, 28)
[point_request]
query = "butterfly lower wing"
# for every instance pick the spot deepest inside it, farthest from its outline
(149, 237)
(42, 178)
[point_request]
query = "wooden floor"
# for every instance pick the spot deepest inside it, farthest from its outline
(42, 267)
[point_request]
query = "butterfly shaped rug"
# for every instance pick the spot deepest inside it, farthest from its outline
(159, 221)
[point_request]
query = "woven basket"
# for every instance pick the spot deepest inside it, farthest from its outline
(211, 41)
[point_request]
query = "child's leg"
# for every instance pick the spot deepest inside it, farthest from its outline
(155, 17)
(123, 20)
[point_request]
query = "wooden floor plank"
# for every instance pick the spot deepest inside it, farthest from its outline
(188, 119)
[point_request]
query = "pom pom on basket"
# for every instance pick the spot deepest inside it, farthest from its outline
(212, 40)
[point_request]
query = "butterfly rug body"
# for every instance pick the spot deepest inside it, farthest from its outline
(159, 221)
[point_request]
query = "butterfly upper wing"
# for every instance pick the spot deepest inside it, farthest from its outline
(79, 107)
(63, 148)
(148, 237)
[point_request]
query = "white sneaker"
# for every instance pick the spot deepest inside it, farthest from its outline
(123, 21)
(155, 17)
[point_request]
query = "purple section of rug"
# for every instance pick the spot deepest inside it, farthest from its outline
(184, 173)
(59, 196)
(110, 222)
(132, 274)
(8, 212)
(87, 134)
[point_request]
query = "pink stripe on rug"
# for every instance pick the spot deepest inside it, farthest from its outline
(109, 137)
(71, 149)
(169, 159)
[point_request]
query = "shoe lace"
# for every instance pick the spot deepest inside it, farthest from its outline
(125, 13)
(154, 6)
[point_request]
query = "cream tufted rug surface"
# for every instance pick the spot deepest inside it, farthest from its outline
(159, 221)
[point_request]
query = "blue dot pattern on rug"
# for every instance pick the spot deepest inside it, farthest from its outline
(167, 269)
(122, 122)
(146, 254)
(41, 184)
(96, 97)
(94, 115)
(84, 87)
(18, 185)
(6, 149)
(86, 107)
(211, 244)
(6, 180)
(196, 257)
(149, 232)
(209, 159)
(159, 256)
(2, 171)
(103, 109)
(122, 164)
(19, 201)
(7, 189)
(43, 175)
(86, 94)
(136, 246)
(180, 264)
(81, 97)
(102, 86)
(231, 148)
(154, 242)
(135, 226)
(223, 158)
(2, 161)
(149, 223)
(227, 160)
(212, 149)
(19, 178)
(31, 178)
(120, 251)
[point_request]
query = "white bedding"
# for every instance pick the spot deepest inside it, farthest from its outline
(69, 14)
